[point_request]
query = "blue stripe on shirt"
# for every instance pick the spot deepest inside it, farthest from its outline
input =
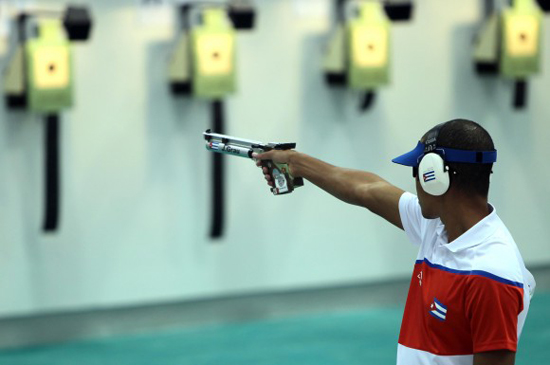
(472, 272)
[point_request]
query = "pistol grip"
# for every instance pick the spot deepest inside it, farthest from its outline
(282, 182)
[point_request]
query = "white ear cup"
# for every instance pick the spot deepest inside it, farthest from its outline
(433, 174)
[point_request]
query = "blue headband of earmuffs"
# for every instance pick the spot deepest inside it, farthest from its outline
(413, 157)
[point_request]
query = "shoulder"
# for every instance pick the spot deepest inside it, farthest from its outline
(497, 257)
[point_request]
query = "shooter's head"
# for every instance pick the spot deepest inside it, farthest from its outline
(456, 156)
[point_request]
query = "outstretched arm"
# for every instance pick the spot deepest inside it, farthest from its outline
(351, 186)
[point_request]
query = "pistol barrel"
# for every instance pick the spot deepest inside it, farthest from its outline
(229, 149)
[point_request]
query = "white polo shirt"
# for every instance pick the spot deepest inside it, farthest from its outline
(466, 296)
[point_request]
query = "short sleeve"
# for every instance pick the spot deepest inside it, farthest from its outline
(411, 217)
(492, 309)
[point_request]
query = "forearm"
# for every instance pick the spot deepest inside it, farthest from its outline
(345, 184)
(351, 186)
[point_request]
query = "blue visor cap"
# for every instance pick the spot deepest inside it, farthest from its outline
(413, 157)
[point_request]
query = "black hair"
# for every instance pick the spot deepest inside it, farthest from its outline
(465, 134)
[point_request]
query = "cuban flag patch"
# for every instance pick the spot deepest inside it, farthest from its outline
(215, 146)
(429, 176)
(438, 310)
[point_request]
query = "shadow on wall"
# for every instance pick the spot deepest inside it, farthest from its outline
(488, 100)
(519, 136)
(479, 95)
(333, 115)
(175, 155)
(21, 186)
(334, 128)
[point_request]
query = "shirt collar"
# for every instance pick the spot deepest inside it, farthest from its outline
(472, 237)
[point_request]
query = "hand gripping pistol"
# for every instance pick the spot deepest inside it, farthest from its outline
(280, 175)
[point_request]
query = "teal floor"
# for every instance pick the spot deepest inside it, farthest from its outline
(366, 337)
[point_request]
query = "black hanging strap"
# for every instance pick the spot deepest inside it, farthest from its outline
(51, 170)
(520, 94)
(488, 8)
(217, 173)
(367, 100)
(341, 11)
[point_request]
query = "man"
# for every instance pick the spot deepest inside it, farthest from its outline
(470, 291)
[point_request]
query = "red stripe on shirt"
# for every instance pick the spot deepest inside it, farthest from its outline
(481, 313)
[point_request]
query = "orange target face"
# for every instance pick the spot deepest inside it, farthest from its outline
(369, 46)
(51, 67)
(215, 54)
(522, 36)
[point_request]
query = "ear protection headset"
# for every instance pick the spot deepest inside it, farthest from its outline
(432, 168)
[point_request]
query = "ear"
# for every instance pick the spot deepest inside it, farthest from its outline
(433, 174)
